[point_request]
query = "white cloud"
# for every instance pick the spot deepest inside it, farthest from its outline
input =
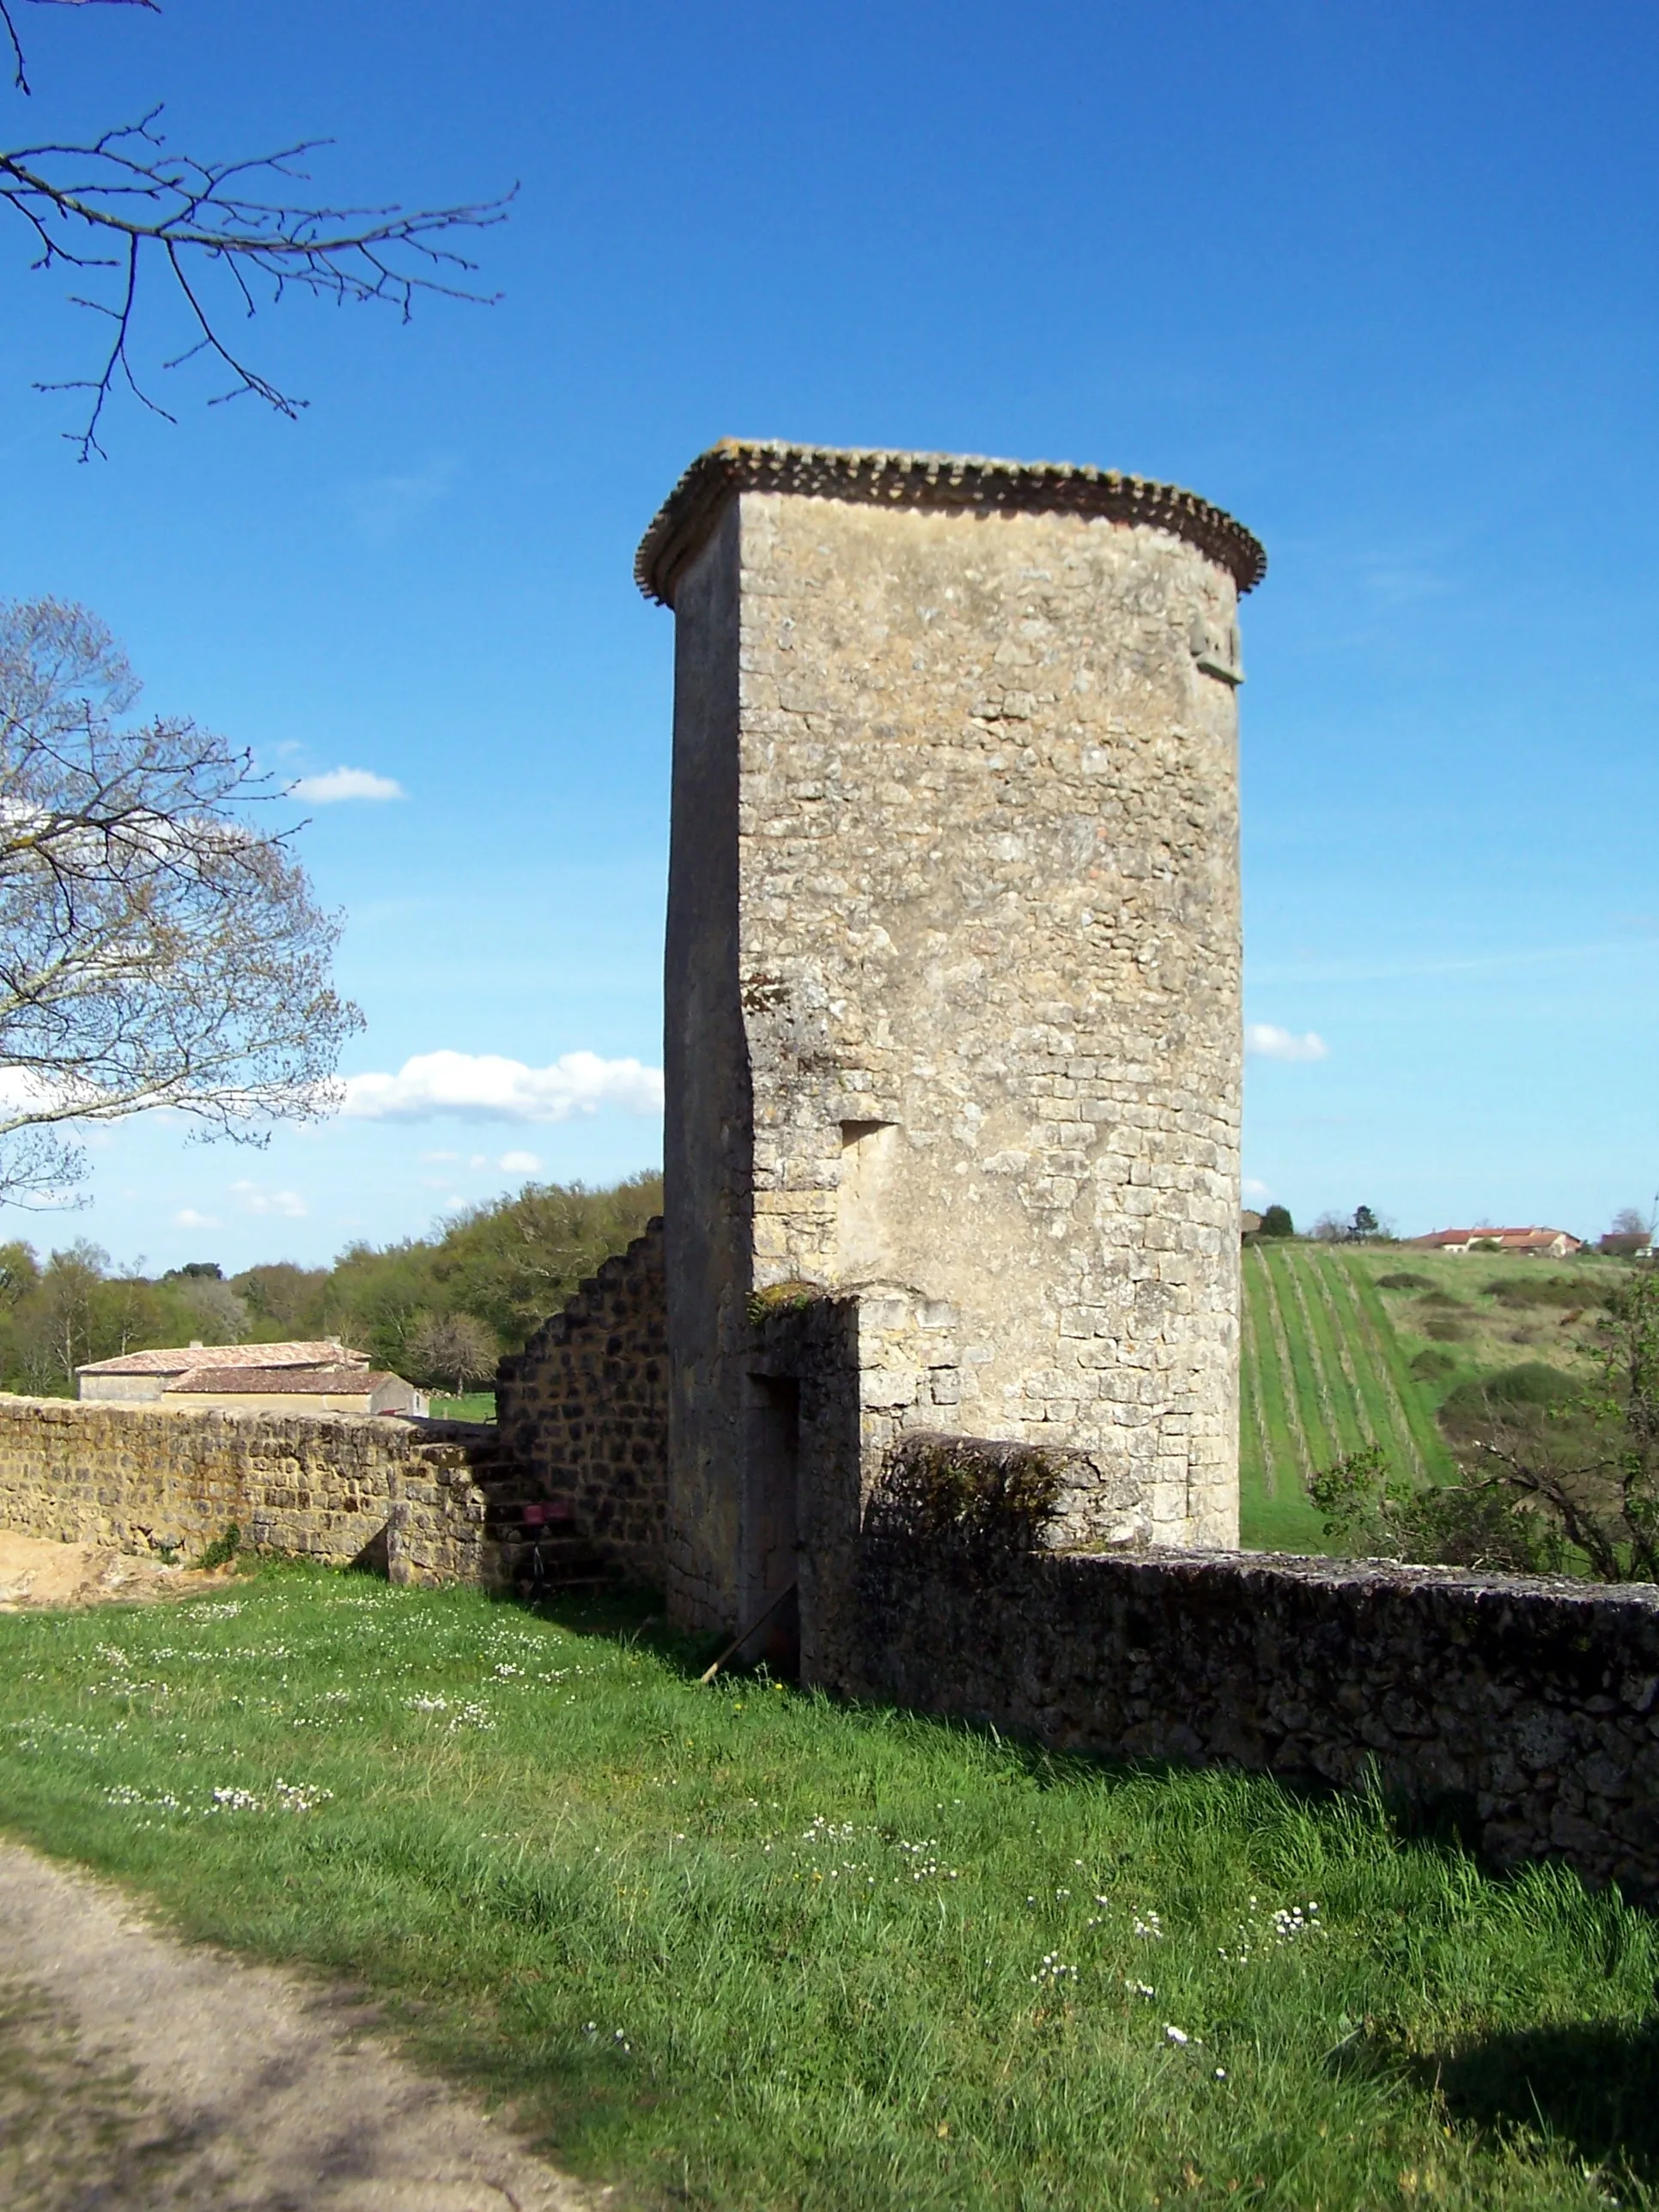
(488, 1087)
(519, 1164)
(188, 1217)
(438, 1159)
(1264, 1040)
(383, 507)
(1252, 1188)
(345, 783)
(288, 1203)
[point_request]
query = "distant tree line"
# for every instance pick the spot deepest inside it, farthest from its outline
(1330, 1228)
(439, 1310)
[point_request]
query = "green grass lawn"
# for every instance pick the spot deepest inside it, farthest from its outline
(471, 1405)
(741, 1947)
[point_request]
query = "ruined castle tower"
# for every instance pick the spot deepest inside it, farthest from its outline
(953, 1017)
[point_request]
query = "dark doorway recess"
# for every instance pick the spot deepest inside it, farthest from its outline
(774, 1517)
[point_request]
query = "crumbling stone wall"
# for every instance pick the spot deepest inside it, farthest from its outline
(403, 1495)
(582, 1411)
(953, 960)
(1525, 1709)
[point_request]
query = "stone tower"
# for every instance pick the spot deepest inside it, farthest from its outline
(953, 1017)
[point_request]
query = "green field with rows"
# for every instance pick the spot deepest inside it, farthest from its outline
(1325, 1371)
(1348, 1346)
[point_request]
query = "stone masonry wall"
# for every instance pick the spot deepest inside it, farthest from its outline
(989, 925)
(331, 1487)
(953, 968)
(1526, 1708)
(583, 1413)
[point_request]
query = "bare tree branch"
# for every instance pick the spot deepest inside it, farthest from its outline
(156, 948)
(1583, 1529)
(111, 208)
(20, 73)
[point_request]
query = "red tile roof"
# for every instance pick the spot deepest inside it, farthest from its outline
(178, 1359)
(1494, 1236)
(300, 1382)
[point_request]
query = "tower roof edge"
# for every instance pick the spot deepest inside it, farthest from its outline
(959, 483)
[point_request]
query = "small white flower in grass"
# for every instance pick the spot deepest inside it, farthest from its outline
(1292, 1921)
(1138, 1988)
(299, 1797)
(1150, 1930)
(1172, 2034)
(1220, 2073)
(1053, 1971)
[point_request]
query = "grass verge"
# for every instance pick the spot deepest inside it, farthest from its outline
(471, 1405)
(741, 1947)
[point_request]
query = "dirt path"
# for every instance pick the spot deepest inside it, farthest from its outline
(141, 2073)
(34, 1571)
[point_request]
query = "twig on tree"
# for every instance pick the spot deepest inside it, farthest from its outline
(1583, 1530)
(19, 70)
(126, 200)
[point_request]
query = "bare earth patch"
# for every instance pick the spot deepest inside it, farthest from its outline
(35, 1570)
(141, 2072)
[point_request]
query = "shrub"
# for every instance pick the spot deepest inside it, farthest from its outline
(1403, 1279)
(1520, 1290)
(1432, 1366)
(989, 1498)
(1277, 1222)
(1534, 1383)
(223, 1549)
(1368, 1510)
(1447, 1328)
(794, 1296)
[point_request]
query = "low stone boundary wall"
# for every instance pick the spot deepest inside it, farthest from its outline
(1527, 1709)
(583, 1411)
(331, 1487)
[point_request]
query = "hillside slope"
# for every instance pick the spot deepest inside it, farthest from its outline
(1324, 1372)
(1348, 1347)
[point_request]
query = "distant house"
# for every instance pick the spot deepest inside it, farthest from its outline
(323, 1375)
(1534, 1243)
(296, 1390)
(1250, 1221)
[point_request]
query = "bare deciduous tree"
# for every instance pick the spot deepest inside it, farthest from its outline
(156, 947)
(455, 1348)
(220, 233)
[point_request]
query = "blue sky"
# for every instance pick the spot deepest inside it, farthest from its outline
(1379, 279)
